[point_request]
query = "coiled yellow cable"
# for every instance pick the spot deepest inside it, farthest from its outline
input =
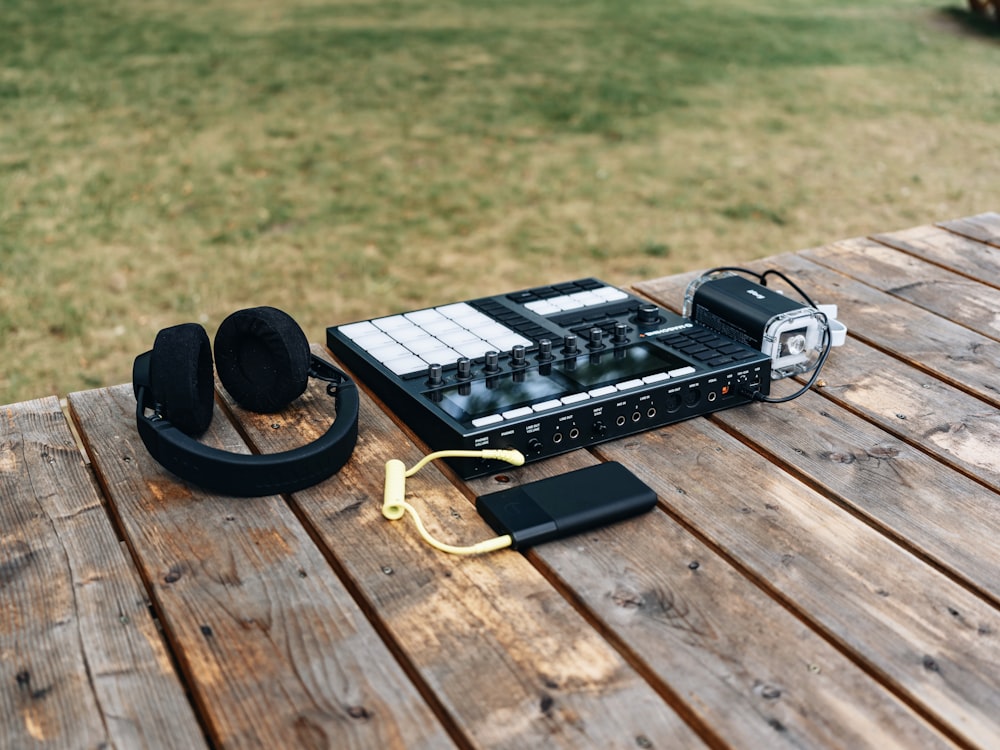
(394, 505)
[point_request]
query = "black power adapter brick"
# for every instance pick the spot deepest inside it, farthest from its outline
(567, 504)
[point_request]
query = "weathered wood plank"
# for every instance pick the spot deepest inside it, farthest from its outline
(276, 652)
(740, 662)
(958, 298)
(81, 661)
(902, 620)
(511, 663)
(962, 431)
(955, 252)
(940, 514)
(932, 413)
(983, 227)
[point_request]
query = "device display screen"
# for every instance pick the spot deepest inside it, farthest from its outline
(480, 398)
(606, 368)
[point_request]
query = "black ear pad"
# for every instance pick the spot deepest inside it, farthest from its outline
(180, 372)
(262, 357)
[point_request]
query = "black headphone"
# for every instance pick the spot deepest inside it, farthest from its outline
(264, 362)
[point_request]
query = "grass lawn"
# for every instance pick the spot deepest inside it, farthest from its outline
(162, 162)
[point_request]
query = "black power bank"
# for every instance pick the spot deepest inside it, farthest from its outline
(567, 504)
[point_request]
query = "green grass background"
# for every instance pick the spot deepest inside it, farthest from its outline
(162, 162)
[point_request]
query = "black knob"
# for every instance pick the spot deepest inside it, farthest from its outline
(535, 445)
(596, 339)
(569, 344)
(600, 429)
(620, 335)
(492, 363)
(545, 350)
(517, 356)
(434, 374)
(648, 315)
(464, 366)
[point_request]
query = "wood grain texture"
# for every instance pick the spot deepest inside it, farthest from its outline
(274, 650)
(508, 660)
(939, 514)
(957, 298)
(983, 227)
(900, 619)
(939, 390)
(81, 661)
(930, 411)
(684, 614)
(922, 407)
(954, 252)
(880, 467)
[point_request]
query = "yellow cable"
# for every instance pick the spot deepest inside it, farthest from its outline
(394, 506)
(490, 545)
(510, 456)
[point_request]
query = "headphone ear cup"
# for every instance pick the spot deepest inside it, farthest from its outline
(180, 373)
(262, 357)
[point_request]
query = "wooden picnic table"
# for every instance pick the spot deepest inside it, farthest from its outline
(820, 573)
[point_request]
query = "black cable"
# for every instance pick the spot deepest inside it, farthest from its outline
(812, 380)
(827, 336)
(792, 284)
